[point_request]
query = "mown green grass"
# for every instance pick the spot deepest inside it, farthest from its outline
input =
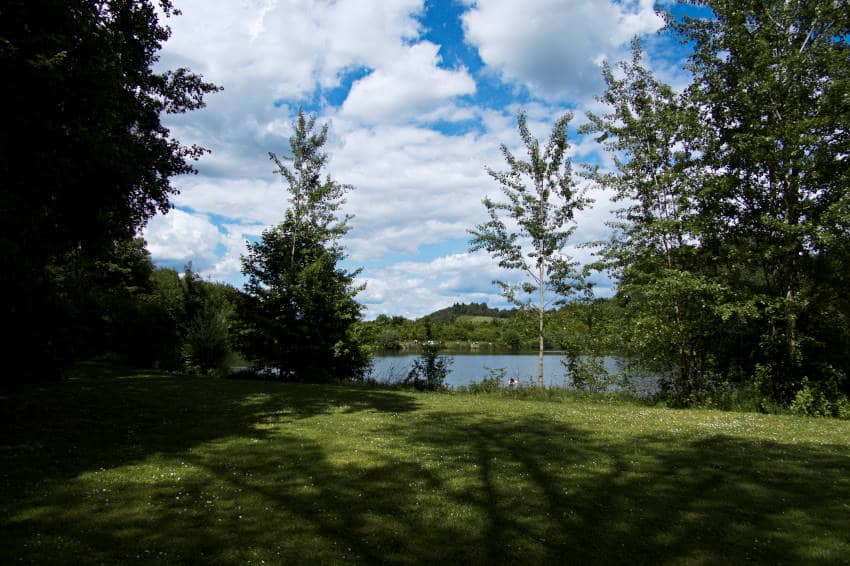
(128, 467)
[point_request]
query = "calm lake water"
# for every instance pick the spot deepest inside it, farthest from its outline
(469, 368)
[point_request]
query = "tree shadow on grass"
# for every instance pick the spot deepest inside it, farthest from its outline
(451, 487)
(110, 417)
(556, 494)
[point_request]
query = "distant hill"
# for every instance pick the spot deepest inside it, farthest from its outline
(478, 310)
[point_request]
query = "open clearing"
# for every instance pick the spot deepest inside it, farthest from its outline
(124, 467)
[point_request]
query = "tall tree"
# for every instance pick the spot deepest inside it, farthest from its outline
(541, 201)
(84, 157)
(737, 216)
(300, 311)
(651, 132)
(771, 84)
(312, 214)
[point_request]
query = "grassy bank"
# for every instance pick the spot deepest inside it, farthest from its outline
(119, 467)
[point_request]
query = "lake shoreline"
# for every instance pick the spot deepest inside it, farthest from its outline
(467, 368)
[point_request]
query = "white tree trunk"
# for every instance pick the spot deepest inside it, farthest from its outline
(541, 310)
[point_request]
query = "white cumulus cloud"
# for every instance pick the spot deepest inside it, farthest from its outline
(554, 47)
(288, 47)
(409, 87)
(181, 237)
(416, 187)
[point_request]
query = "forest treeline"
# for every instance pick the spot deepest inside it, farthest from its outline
(582, 326)
(729, 250)
(126, 310)
(471, 309)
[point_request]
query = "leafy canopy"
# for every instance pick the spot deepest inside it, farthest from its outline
(84, 157)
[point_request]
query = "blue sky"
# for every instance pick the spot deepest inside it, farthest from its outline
(419, 95)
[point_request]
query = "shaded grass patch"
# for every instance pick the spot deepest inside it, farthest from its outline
(121, 466)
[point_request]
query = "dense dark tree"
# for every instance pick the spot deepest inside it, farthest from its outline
(102, 299)
(772, 88)
(730, 249)
(84, 157)
(166, 310)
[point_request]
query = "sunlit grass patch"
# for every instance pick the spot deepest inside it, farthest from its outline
(118, 468)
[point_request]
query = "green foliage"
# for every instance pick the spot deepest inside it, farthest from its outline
(820, 400)
(651, 131)
(105, 301)
(165, 307)
(299, 311)
(472, 309)
(429, 369)
(152, 318)
(389, 339)
(586, 326)
(207, 344)
(494, 381)
(123, 309)
(771, 79)
(88, 98)
(587, 373)
(512, 339)
(298, 318)
(841, 407)
(84, 157)
(736, 224)
(809, 403)
(208, 311)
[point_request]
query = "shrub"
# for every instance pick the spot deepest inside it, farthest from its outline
(206, 348)
(813, 400)
(389, 339)
(494, 381)
(429, 369)
(587, 373)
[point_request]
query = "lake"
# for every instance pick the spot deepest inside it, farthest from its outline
(469, 368)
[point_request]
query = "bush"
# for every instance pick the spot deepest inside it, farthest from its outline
(389, 339)
(813, 401)
(587, 373)
(841, 408)
(494, 381)
(728, 396)
(429, 369)
(206, 348)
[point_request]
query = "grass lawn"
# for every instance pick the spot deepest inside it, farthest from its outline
(122, 467)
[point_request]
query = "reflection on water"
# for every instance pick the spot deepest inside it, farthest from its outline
(469, 368)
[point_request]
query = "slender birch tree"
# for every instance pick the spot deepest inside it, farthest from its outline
(528, 230)
(649, 130)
